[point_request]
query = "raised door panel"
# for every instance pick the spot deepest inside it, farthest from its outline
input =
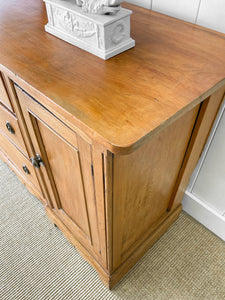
(64, 163)
(66, 171)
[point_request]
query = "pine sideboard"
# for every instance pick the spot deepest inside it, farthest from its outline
(108, 147)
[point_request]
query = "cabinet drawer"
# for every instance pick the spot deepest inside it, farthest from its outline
(9, 126)
(3, 94)
(23, 165)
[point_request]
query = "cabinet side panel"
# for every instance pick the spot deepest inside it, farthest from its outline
(143, 183)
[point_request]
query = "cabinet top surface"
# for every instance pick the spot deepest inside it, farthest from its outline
(172, 68)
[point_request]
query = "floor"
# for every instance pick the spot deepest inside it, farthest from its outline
(37, 262)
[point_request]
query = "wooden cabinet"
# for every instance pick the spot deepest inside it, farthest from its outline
(99, 198)
(108, 147)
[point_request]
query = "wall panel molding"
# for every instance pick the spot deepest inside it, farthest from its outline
(207, 13)
(212, 14)
(183, 9)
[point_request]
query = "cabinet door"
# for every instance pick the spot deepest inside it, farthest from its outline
(66, 169)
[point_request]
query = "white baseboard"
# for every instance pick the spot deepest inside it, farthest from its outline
(203, 213)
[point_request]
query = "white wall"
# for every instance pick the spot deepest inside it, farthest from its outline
(208, 13)
(205, 197)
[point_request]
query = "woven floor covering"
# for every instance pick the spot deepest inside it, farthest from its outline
(37, 262)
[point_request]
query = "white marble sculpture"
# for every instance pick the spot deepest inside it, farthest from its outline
(100, 7)
(101, 27)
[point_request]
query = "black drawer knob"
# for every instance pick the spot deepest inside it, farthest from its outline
(26, 170)
(9, 127)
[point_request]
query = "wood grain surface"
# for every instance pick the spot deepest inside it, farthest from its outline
(122, 101)
(4, 98)
(143, 184)
(155, 103)
(19, 160)
(15, 136)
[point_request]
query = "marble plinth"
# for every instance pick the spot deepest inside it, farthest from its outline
(102, 35)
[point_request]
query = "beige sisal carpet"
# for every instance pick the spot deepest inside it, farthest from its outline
(37, 262)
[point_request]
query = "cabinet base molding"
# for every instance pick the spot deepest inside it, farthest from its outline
(110, 280)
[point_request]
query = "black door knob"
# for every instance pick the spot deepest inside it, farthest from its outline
(26, 170)
(9, 127)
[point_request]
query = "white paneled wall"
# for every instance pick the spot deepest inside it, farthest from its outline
(143, 3)
(205, 197)
(208, 13)
(183, 9)
(212, 14)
